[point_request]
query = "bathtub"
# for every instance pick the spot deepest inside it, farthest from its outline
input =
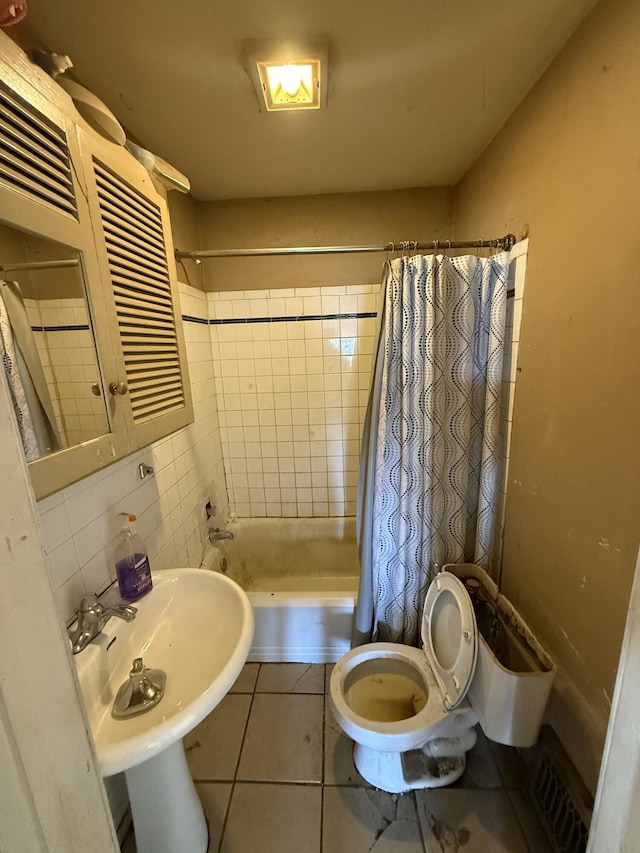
(301, 575)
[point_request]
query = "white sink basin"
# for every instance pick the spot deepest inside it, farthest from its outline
(197, 626)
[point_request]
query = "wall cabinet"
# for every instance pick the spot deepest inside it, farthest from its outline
(85, 235)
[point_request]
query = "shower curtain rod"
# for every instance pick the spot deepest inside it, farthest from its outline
(39, 265)
(505, 243)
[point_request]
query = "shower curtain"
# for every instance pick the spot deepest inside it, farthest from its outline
(27, 382)
(430, 442)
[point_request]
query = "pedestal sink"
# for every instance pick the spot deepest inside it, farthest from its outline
(197, 626)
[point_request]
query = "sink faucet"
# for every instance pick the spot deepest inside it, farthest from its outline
(215, 534)
(92, 616)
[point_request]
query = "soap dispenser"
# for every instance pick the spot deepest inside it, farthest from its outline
(132, 562)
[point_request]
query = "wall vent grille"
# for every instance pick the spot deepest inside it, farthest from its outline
(559, 795)
(137, 259)
(34, 157)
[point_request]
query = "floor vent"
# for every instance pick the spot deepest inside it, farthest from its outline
(563, 803)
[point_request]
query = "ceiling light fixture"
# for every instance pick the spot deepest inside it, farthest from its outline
(288, 75)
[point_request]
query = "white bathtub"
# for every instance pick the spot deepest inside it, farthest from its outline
(301, 575)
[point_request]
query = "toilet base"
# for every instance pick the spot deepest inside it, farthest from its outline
(438, 763)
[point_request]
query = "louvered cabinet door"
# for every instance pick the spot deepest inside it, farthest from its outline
(44, 217)
(134, 242)
(34, 156)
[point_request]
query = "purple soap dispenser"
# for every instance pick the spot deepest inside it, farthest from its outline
(132, 562)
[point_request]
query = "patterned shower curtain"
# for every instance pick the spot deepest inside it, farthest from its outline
(25, 375)
(430, 445)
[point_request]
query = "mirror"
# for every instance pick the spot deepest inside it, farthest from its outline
(47, 344)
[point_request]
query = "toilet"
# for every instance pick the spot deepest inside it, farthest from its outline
(412, 713)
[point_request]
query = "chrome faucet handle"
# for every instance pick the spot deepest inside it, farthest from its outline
(90, 611)
(91, 617)
(88, 603)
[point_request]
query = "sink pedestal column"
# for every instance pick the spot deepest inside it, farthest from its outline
(167, 813)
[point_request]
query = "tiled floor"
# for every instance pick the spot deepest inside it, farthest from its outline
(275, 774)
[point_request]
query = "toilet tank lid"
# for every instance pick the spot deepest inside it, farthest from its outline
(450, 636)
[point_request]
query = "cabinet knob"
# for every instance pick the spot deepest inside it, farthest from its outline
(118, 388)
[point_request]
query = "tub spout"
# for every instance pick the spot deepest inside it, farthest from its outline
(215, 534)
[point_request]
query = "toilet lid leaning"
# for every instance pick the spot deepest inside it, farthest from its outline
(450, 637)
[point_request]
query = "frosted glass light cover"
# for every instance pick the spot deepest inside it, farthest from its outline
(290, 85)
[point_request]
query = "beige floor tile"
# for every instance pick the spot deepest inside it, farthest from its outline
(530, 822)
(361, 819)
(339, 768)
(273, 819)
(481, 770)
(284, 739)
(475, 821)
(291, 678)
(328, 669)
(246, 681)
(214, 797)
(510, 763)
(213, 747)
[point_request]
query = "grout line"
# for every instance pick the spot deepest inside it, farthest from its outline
(235, 772)
(423, 840)
(324, 726)
(246, 727)
(286, 782)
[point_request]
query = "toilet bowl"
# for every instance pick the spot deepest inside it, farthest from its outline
(412, 713)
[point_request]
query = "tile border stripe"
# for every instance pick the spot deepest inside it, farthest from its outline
(75, 328)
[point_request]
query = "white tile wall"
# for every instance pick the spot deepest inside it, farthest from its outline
(70, 367)
(79, 524)
(292, 397)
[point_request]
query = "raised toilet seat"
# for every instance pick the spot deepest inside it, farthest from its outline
(404, 707)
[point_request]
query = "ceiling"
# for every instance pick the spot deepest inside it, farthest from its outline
(417, 88)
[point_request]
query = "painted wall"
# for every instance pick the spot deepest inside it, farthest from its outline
(566, 170)
(186, 235)
(342, 219)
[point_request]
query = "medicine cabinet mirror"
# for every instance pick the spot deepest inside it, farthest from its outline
(48, 344)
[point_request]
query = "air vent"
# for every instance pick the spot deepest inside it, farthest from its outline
(136, 252)
(559, 795)
(34, 157)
